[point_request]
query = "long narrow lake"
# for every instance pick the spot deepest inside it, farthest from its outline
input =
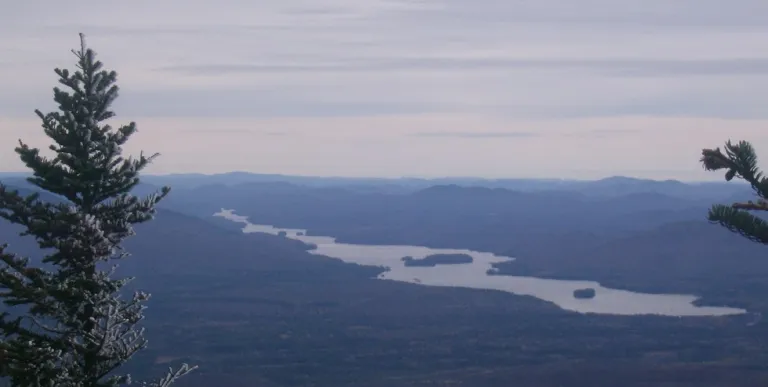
(474, 275)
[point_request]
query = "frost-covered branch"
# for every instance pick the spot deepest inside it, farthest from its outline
(171, 377)
(67, 326)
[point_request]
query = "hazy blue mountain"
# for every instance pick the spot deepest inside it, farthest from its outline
(468, 210)
(611, 186)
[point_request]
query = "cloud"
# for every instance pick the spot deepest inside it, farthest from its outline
(231, 131)
(547, 59)
(619, 67)
(477, 135)
(617, 14)
(117, 30)
(255, 103)
(678, 68)
(218, 130)
(613, 133)
(345, 67)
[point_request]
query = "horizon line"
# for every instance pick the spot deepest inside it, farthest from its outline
(405, 177)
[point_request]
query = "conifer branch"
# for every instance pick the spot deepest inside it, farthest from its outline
(739, 160)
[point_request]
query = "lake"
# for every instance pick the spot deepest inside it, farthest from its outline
(475, 275)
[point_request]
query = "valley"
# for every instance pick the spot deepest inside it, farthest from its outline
(261, 309)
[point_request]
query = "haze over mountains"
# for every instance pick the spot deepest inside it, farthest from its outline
(258, 309)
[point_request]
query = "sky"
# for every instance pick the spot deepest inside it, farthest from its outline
(487, 88)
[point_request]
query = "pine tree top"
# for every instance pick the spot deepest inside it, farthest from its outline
(73, 328)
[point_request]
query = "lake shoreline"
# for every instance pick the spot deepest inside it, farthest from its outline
(700, 301)
(609, 301)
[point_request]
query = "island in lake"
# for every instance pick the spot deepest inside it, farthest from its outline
(438, 259)
(584, 293)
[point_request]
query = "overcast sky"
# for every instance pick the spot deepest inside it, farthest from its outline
(491, 88)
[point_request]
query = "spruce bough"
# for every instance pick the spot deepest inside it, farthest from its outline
(65, 323)
(740, 160)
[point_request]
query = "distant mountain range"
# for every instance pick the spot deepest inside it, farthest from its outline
(611, 186)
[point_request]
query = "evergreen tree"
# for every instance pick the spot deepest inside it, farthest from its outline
(740, 160)
(70, 326)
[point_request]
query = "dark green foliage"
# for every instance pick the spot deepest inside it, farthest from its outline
(438, 259)
(64, 322)
(586, 293)
(740, 160)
